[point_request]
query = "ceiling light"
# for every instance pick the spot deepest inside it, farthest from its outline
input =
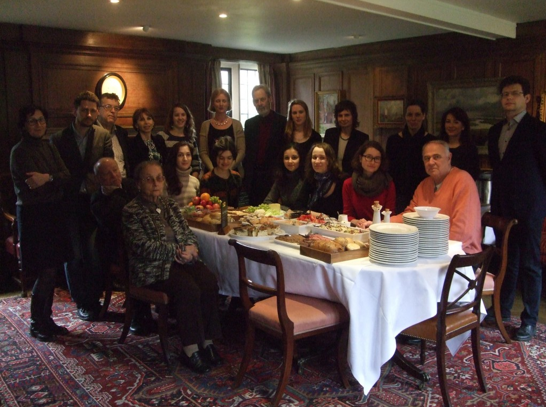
(114, 1)
(223, 15)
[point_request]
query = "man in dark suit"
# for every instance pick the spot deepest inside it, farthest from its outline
(264, 136)
(80, 146)
(108, 114)
(517, 153)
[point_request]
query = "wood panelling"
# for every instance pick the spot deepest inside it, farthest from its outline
(360, 92)
(329, 81)
(390, 80)
(303, 87)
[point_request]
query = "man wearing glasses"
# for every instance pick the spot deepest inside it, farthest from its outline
(517, 154)
(453, 191)
(108, 114)
(80, 146)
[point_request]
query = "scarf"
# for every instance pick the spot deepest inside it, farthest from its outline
(323, 184)
(370, 186)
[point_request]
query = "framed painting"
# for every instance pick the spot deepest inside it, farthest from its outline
(542, 107)
(478, 97)
(325, 103)
(389, 111)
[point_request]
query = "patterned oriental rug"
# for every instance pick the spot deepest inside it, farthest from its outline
(89, 368)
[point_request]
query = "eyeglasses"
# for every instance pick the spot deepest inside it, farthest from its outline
(150, 180)
(514, 93)
(370, 158)
(35, 122)
(110, 107)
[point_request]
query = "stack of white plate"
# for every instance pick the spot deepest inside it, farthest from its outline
(393, 244)
(433, 233)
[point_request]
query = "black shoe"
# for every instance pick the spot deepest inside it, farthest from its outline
(87, 314)
(211, 355)
(140, 328)
(56, 329)
(195, 362)
(43, 335)
(525, 333)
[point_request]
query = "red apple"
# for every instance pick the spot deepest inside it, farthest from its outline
(215, 206)
(196, 200)
(209, 207)
(203, 203)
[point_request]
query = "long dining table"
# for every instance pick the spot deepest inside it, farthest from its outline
(382, 300)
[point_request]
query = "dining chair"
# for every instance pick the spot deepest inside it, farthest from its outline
(456, 317)
(493, 280)
(289, 317)
(12, 245)
(149, 296)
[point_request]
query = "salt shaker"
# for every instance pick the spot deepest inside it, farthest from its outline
(386, 216)
(376, 212)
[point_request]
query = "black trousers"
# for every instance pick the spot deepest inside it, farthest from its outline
(193, 291)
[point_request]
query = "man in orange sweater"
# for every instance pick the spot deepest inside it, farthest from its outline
(454, 192)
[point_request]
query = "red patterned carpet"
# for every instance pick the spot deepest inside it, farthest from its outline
(89, 368)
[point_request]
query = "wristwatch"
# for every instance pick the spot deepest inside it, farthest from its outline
(50, 178)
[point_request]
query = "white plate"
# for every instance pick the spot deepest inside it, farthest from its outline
(416, 217)
(393, 228)
(291, 229)
(253, 238)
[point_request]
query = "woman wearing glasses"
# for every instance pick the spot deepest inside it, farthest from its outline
(38, 174)
(163, 255)
(370, 182)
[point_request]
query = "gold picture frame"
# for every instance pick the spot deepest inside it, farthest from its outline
(112, 83)
(542, 107)
(389, 111)
(325, 103)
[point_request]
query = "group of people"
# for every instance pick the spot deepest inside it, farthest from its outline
(91, 174)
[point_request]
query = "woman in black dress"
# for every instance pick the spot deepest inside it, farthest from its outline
(299, 128)
(456, 132)
(345, 139)
(221, 125)
(38, 174)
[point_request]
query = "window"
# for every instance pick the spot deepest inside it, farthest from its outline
(239, 78)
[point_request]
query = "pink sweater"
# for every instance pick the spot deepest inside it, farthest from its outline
(458, 198)
(360, 207)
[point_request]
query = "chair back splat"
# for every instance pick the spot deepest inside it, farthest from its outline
(289, 317)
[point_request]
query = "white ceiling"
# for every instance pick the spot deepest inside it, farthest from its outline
(280, 26)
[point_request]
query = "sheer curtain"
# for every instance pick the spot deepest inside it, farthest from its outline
(214, 80)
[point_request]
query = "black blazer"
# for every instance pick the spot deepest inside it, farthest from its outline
(355, 141)
(274, 145)
(123, 138)
(138, 150)
(518, 181)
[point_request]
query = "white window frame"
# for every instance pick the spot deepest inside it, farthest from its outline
(235, 93)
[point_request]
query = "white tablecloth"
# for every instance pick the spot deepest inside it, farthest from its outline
(382, 301)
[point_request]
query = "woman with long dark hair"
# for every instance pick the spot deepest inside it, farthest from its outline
(456, 132)
(289, 187)
(299, 128)
(180, 126)
(182, 186)
(38, 174)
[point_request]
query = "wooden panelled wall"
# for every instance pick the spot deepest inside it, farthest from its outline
(50, 66)
(404, 68)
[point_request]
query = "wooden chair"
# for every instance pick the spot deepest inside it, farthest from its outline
(493, 281)
(115, 272)
(454, 317)
(157, 298)
(286, 316)
(11, 243)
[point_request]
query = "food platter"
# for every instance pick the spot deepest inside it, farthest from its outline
(252, 238)
(294, 226)
(354, 233)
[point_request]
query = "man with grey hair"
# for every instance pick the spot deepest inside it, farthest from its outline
(264, 136)
(80, 145)
(453, 191)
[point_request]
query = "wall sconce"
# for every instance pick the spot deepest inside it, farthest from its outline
(112, 83)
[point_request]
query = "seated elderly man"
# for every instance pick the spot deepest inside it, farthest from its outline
(106, 206)
(453, 191)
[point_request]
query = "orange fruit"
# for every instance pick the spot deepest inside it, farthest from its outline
(205, 196)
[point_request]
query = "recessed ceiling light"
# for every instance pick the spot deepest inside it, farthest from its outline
(223, 15)
(114, 1)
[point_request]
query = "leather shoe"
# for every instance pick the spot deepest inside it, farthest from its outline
(43, 335)
(55, 329)
(525, 333)
(212, 356)
(490, 317)
(195, 362)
